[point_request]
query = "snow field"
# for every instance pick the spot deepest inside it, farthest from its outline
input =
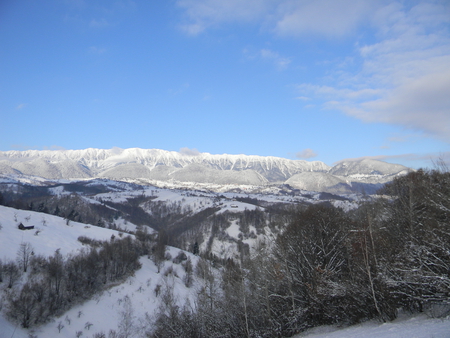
(404, 327)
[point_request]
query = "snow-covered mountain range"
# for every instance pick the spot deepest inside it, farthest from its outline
(162, 165)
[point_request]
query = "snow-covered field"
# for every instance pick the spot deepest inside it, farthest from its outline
(403, 327)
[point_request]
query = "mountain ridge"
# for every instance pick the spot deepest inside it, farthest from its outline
(196, 167)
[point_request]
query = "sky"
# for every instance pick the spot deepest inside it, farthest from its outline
(324, 80)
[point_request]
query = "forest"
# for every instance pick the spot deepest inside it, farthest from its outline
(330, 267)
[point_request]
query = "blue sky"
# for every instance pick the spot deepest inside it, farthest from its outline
(323, 80)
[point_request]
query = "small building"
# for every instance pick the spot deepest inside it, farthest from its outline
(23, 227)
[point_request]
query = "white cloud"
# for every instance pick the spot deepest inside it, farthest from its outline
(189, 152)
(21, 106)
(405, 76)
(329, 92)
(306, 153)
(422, 104)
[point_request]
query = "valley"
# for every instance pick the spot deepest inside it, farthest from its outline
(145, 257)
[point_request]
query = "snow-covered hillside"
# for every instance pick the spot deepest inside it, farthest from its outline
(138, 295)
(49, 234)
(321, 182)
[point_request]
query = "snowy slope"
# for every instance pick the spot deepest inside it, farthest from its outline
(105, 310)
(322, 182)
(49, 233)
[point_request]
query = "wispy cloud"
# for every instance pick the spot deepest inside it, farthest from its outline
(203, 14)
(280, 62)
(330, 18)
(53, 147)
(98, 23)
(93, 15)
(96, 50)
(21, 106)
(181, 89)
(306, 153)
(21, 146)
(189, 152)
(28, 147)
(303, 98)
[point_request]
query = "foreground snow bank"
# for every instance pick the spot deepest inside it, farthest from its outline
(419, 326)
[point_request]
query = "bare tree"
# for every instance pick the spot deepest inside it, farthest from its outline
(24, 254)
(159, 250)
(60, 326)
(55, 271)
(23, 306)
(11, 273)
(188, 278)
(127, 327)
